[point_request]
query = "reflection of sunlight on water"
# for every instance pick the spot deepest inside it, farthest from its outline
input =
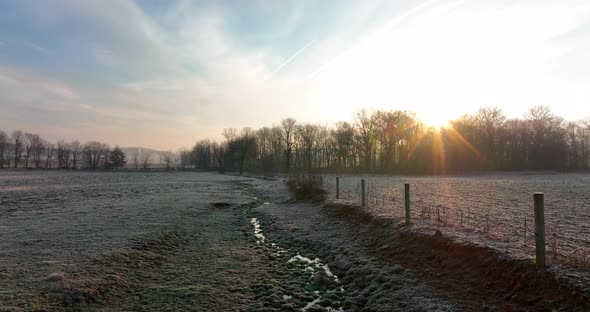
(311, 304)
(257, 231)
(313, 267)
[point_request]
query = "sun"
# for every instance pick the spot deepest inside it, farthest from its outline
(436, 121)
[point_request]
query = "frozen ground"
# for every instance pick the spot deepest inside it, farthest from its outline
(367, 282)
(386, 266)
(208, 242)
(131, 241)
(489, 209)
(171, 241)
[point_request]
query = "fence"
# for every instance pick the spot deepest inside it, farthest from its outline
(491, 218)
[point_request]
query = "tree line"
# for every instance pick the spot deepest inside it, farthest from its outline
(398, 142)
(29, 150)
(386, 142)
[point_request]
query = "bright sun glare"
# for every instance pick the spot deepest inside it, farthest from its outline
(436, 121)
(434, 66)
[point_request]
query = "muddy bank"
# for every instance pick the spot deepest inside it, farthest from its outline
(467, 272)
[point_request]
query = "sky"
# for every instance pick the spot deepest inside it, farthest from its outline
(163, 74)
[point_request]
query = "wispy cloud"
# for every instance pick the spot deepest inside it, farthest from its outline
(61, 90)
(163, 74)
(37, 47)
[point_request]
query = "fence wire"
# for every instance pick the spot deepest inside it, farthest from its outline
(487, 217)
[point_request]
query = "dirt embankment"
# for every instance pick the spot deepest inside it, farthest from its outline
(386, 266)
(467, 273)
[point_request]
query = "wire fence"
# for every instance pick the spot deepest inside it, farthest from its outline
(491, 217)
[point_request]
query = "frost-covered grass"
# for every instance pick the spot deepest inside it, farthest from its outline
(134, 241)
(488, 209)
(340, 275)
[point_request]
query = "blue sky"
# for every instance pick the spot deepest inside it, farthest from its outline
(163, 74)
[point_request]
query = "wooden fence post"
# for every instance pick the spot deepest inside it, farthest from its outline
(407, 193)
(539, 229)
(363, 195)
(337, 187)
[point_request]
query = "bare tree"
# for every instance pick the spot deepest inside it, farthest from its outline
(17, 141)
(288, 131)
(230, 134)
(135, 159)
(488, 121)
(3, 148)
(96, 154)
(64, 153)
(49, 154)
(365, 137)
(242, 148)
(202, 155)
(219, 152)
(548, 138)
(76, 150)
(145, 159)
(308, 137)
(37, 151)
(29, 140)
(184, 158)
(167, 158)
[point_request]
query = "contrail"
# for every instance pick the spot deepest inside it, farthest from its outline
(392, 22)
(292, 57)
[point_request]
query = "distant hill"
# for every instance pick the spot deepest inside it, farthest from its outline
(154, 155)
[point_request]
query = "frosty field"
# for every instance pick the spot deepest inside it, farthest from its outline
(489, 209)
(188, 241)
(122, 240)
